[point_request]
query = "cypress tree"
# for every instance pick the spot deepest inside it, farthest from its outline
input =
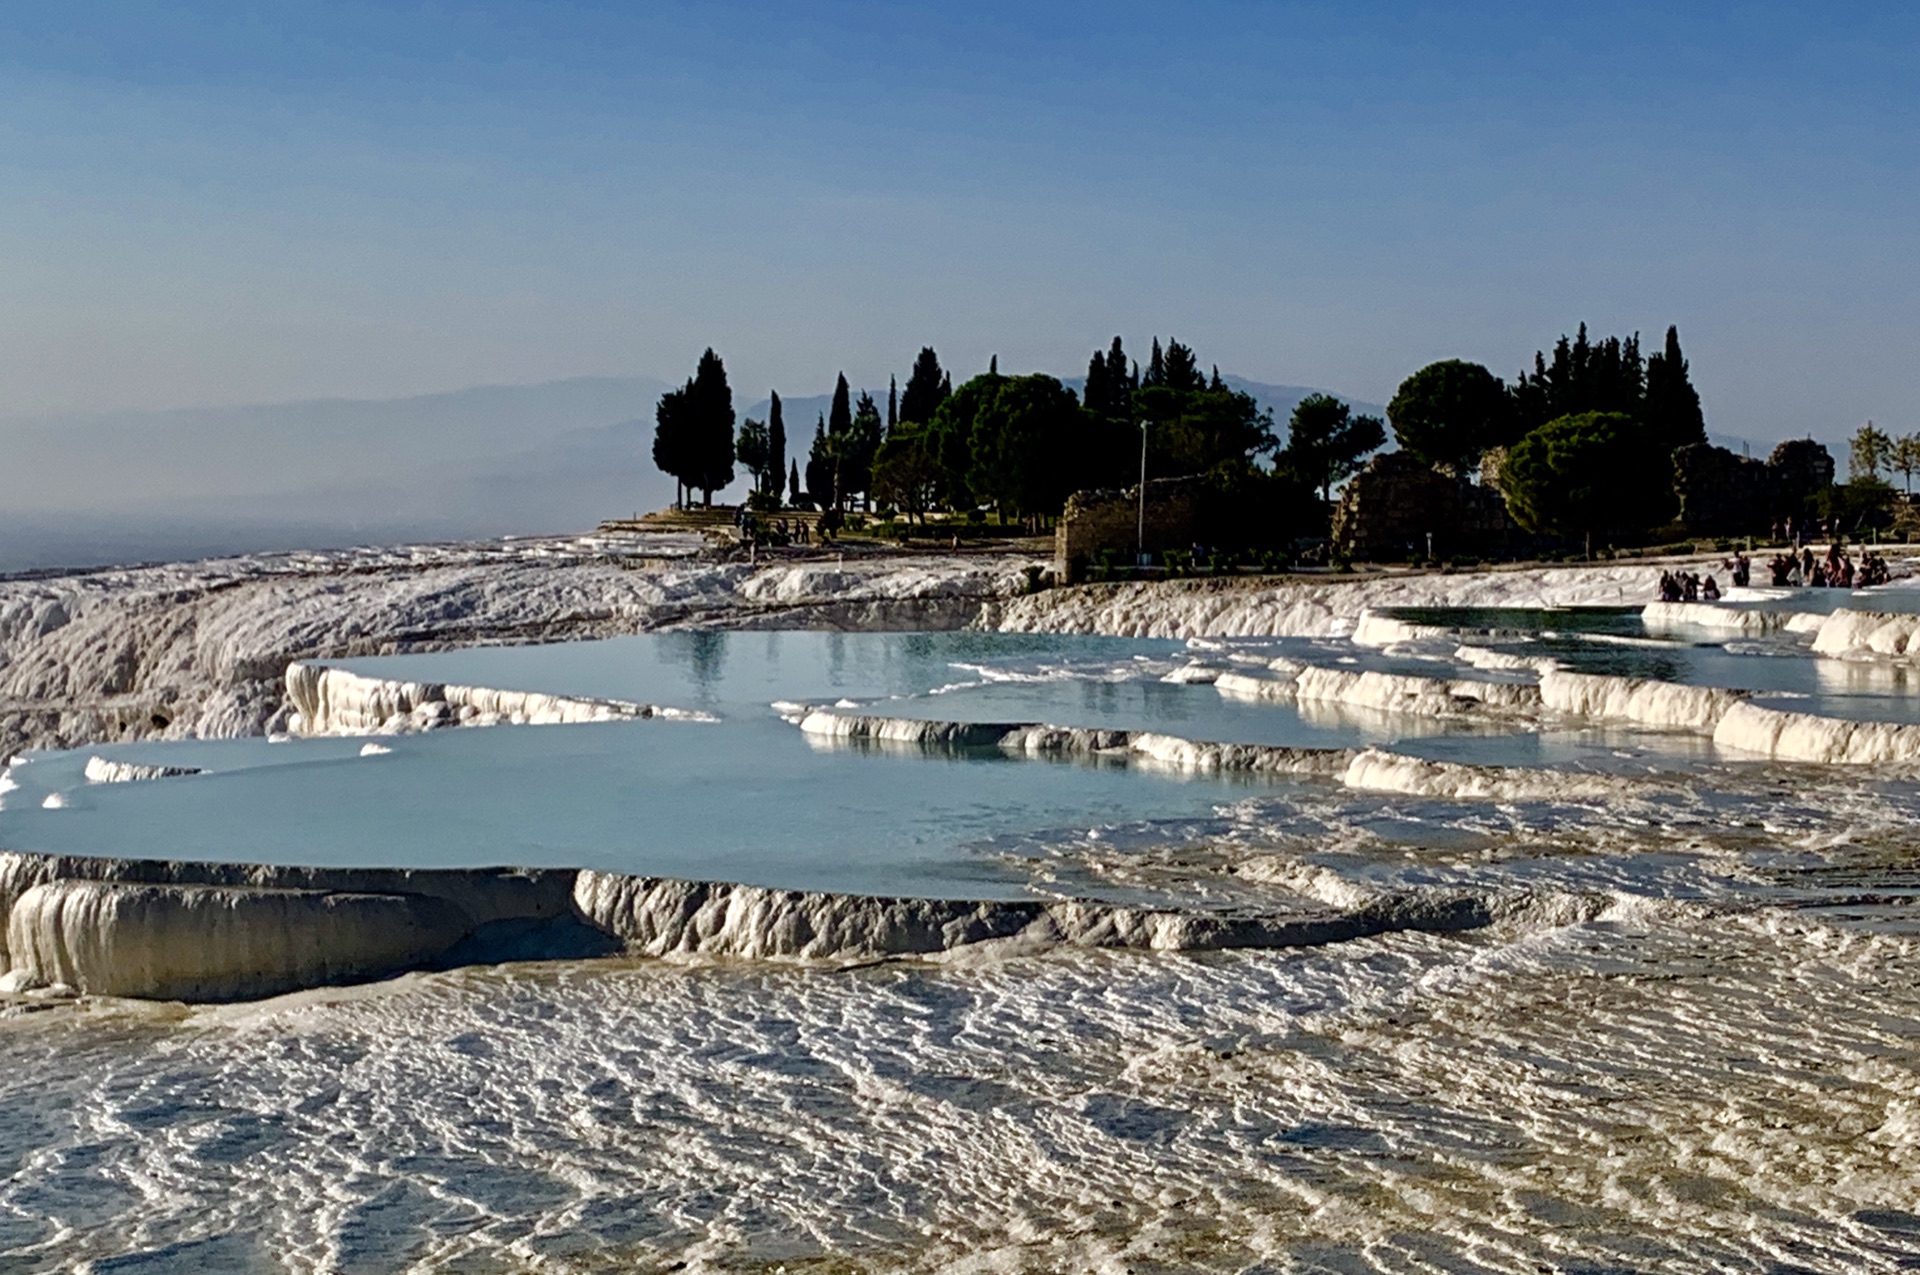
(946, 386)
(820, 465)
(1095, 397)
(840, 414)
(1156, 367)
(1180, 369)
(1122, 380)
(793, 482)
(893, 402)
(710, 426)
(858, 448)
(926, 388)
(670, 450)
(776, 443)
(1672, 404)
(993, 366)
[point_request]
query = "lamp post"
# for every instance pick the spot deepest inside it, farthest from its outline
(1142, 546)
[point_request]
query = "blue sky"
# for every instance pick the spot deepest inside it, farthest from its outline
(223, 203)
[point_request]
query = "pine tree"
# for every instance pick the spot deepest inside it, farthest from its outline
(776, 444)
(926, 388)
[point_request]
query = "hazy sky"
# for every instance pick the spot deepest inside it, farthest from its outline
(221, 203)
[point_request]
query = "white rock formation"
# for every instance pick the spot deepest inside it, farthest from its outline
(1482, 657)
(201, 649)
(1668, 705)
(1810, 737)
(663, 917)
(1251, 687)
(333, 701)
(1374, 629)
(187, 942)
(1031, 739)
(1376, 770)
(1713, 615)
(1306, 607)
(202, 932)
(482, 897)
(1405, 693)
(1867, 635)
(101, 770)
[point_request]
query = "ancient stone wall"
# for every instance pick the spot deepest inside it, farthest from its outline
(1724, 494)
(1110, 520)
(1390, 508)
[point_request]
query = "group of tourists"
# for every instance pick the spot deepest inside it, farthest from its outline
(1686, 586)
(1790, 570)
(1835, 571)
(779, 532)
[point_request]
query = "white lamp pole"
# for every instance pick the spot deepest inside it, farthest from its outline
(1142, 559)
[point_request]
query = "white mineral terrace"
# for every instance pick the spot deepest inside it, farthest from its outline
(205, 648)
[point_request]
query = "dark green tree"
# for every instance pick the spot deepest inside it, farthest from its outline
(752, 448)
(1869, 451)
(950, 438)
(1584, 376)
(1122, 380)
(1181, 370)
(926, 388)
(1587, 475)
(671, 447)
(906, 473)
(709, 409)
(857, 448)
(776, 443)
(1156, 376)
(1449, 413)
(840, 413)
(1023, 443)
(822, 470)
(1672, 406)
(793, 482)
(1190, 431)
(1094, 396)
(1326, 442)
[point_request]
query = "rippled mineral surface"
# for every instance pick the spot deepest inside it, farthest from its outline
(1687, 1040)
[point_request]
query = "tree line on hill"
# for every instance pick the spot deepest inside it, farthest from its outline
(1580, 445)
(1020, 444)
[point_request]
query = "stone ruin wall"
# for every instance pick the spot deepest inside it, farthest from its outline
(1389, 508)
(1110, 520)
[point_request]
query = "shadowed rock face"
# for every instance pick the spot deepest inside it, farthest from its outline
(192, 942)
(215, 932)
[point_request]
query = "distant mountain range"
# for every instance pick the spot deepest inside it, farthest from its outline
(136, 486)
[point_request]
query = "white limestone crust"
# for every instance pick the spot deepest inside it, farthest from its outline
(333, 701)
(103, 770)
